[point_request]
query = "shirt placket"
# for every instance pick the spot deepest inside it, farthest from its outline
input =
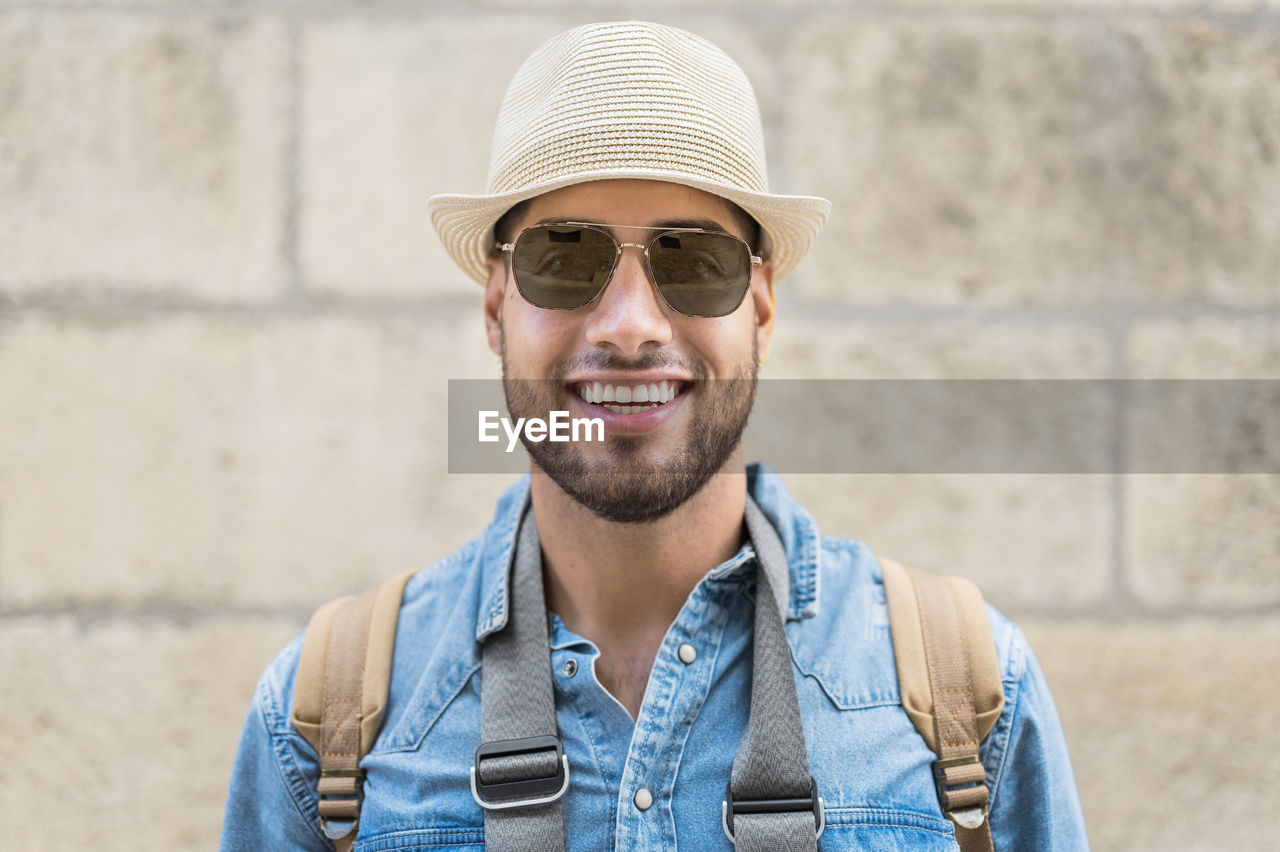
(596, 730)
(681, 679)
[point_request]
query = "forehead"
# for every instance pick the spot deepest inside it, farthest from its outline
(629, 202)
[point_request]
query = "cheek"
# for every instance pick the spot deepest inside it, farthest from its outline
(537, 340)
(723, 343)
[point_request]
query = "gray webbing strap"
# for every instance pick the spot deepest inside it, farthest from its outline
(772, 803)
(772, 763)
(517, 702)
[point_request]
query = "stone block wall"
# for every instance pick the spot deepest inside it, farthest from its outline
(226, 328)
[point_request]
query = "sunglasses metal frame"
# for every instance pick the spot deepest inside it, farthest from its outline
(601, 227)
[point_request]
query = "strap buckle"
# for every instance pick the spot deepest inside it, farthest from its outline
(961, 784)
(337, 829)
(521, 792)
(731, 808)
(339, 801)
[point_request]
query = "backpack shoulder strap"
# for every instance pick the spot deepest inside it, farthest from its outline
(949, 680)
(340, 694)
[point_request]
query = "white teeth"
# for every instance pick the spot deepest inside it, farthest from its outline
(629, 409)
(656, 393)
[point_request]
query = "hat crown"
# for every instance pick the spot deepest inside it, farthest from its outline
(628, 96)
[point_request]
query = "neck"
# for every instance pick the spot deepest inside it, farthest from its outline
(622, 584)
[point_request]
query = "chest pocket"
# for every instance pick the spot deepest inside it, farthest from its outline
(868, 830)
(871, 765)
(435, 840)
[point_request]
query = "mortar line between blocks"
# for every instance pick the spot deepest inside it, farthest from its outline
(172, 612)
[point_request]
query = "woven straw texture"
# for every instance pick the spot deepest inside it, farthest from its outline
(628, 99)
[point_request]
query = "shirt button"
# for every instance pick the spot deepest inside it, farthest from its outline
(570, 668)
(687, 653)
(643, 799)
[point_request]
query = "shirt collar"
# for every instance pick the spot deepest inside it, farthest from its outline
(796, 528)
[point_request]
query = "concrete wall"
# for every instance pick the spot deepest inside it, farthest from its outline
(226, 327)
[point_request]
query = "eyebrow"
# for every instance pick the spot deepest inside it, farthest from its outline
(705, 224)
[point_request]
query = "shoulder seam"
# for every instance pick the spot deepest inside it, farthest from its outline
(1013, 694)
(290, 775)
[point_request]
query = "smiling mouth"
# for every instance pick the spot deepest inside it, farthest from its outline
(629, 398)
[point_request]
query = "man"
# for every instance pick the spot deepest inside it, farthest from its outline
(704, 643)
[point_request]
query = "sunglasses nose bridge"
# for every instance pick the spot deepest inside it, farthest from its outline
(628, 313)
(644, 262)
(644, 250)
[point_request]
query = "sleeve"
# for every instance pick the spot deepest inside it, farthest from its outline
(1034, 803)
(270, 802)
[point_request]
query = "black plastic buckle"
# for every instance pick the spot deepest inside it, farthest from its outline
(731, 808)
(526, 791)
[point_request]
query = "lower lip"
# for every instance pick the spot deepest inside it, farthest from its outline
(628, 424)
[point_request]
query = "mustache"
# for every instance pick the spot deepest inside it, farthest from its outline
(602, 361)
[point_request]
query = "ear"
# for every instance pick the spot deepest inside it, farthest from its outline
(494, 290)
(766, 306)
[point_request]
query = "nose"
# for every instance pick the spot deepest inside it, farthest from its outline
(629, 317)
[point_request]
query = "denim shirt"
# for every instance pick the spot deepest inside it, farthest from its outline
(871, 766)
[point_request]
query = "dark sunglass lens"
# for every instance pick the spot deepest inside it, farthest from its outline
(561, 267)
(703, 275)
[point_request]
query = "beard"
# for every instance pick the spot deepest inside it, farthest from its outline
(635, 483)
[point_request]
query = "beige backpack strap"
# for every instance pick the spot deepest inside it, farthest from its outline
(340, 694)
(949, 679)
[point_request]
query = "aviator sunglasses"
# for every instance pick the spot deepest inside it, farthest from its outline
(563, 266)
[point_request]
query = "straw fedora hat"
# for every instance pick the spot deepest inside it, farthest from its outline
(628, 99)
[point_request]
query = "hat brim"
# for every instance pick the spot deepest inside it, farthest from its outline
(465, 222)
